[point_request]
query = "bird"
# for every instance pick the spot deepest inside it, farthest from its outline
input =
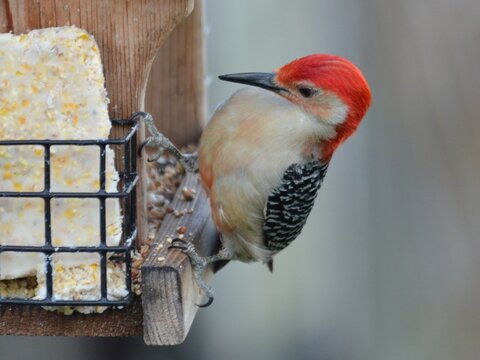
(265, 152)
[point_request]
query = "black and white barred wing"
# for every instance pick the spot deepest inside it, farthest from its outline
(289, 205)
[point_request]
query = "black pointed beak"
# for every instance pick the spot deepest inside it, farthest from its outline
(261, 80)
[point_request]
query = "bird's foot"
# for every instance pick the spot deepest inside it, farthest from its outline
(159, 141)
(198, 266)
(199, 263)
(189, 162)
(147, 143)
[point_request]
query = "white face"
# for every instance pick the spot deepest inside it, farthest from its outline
(324, 105)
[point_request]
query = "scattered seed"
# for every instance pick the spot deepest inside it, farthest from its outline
(182, 230)
(188, 194)
(178, 214)
(156, 214)
(144, 250)
(137, 263)
(164, 177)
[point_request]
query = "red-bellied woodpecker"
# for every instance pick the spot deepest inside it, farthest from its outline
(264, 154)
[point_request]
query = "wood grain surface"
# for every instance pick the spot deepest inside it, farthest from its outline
(175, 90)
(170, 293)
(30, 320)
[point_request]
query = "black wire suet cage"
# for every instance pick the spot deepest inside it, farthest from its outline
(125, 149)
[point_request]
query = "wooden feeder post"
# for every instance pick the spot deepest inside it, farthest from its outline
(129, 34)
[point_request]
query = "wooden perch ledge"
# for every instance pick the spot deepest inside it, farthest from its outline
(169, 291)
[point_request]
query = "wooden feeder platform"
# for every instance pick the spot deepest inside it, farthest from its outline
(129, 34)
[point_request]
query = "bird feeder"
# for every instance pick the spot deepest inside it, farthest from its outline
(129, 35)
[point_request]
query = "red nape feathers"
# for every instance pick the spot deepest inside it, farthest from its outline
(337, 75)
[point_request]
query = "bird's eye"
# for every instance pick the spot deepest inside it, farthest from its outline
(306, 91)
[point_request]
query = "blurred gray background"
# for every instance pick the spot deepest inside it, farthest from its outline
(388, 266)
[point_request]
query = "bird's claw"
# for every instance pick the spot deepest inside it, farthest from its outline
(198, 266)
(189, 249)
(208, 303)
(149, 142)
(190, 162)
(178, 240)
(182, 244)
(183, 248)
(142, 145)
